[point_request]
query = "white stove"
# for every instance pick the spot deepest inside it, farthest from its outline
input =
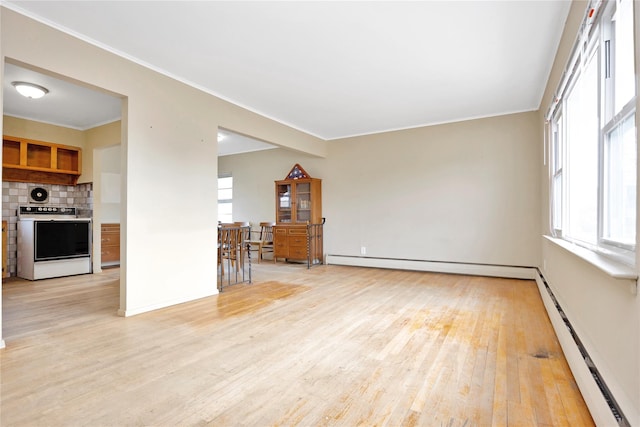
(52, 242)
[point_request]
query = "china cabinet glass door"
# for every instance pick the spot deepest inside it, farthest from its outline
(284, 209)
(303, 202)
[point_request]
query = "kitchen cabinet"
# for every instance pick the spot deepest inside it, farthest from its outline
(297, 234)
(26, 160)
(110, 244)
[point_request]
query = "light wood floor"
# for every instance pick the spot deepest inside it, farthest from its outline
(329, 346)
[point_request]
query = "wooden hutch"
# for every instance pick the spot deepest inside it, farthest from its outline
(297, 234)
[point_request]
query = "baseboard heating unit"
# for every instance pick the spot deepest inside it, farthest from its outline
(473, 269)
(599, 399)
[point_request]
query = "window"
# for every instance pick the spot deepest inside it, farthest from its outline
(619, 207)
(593, 136)
(225, 198)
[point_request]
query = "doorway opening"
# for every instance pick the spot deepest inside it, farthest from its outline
(70, 117)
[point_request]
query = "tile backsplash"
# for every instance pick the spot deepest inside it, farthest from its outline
(15, 194)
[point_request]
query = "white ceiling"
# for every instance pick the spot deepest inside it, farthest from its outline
(67, 104)
(334, 68)
(233, 143)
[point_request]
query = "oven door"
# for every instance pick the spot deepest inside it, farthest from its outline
(62, 239)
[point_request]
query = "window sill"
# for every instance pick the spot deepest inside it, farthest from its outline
(615, 269)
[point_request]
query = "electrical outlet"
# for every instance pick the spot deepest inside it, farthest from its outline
(363, 250)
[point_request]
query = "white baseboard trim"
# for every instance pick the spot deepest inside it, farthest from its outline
(593, 397)
(435, 266)
(2, 344)
(139, 310)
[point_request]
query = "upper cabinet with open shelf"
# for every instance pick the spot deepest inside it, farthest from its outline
(26, 160)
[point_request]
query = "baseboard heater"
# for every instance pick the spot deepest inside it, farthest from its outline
(474, 269)
(600, 417)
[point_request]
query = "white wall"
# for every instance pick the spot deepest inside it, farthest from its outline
(108, 195)
(461, 192)
(605, 314)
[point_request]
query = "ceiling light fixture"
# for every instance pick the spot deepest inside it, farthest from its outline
(30, 90)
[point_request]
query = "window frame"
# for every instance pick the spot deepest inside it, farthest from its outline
(597, 37)
(612, 119)
(225, 201)
(557, 171)
(607, 130)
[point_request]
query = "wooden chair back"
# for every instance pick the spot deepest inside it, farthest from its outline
(266, 232)
(246, 230)
(233, 246)
(264, 239)
(228, 239)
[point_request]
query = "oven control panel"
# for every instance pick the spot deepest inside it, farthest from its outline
(46, 210)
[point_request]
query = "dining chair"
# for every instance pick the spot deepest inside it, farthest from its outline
(232, 245)
(226, 247)
(264, 242)
(246, 229)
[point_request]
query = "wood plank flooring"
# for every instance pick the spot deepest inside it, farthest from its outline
(328, 346)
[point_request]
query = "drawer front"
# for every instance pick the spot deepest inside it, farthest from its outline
(298, 231)
(110, 239)
(298, 252)
(110, 253)
(298, 241)
(110, 234)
